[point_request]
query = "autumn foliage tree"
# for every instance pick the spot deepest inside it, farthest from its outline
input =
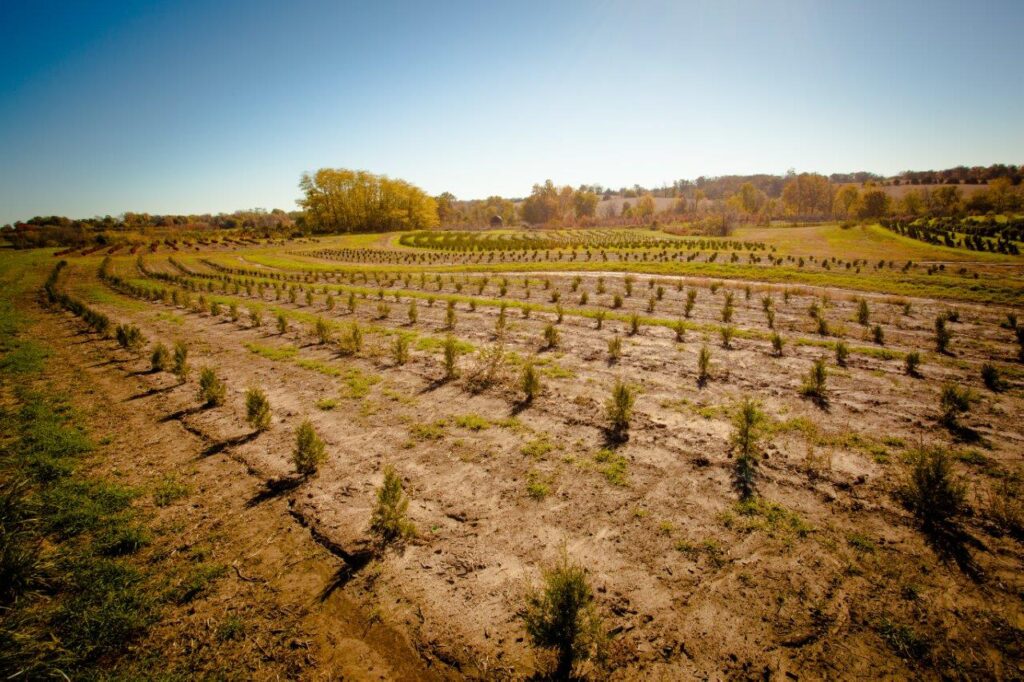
(342, 200)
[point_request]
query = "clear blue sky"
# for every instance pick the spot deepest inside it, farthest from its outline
(216, 105)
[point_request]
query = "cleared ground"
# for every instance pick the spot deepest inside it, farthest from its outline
(823, 574)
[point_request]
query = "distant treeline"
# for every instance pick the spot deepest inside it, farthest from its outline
(342, 200)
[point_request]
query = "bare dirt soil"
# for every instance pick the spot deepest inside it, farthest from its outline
(827, 575)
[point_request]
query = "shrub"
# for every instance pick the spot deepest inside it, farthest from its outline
(561, 617)
(814, 383)
(451, 358)
(620, 408)
(691, 298)
(955, 401)
(329, 302)
(727, 332)
(991, 378)
(401, 349)
(160, 358)
(255, 317)
(413, 312)
(449, 316)
(355, 338)
(383, 310)
(352, 303)
(842, 353)
(748, 426)
(129, 337)
(615, 348)
(679, 327)
(877, 335)
(634, 324)
(212, 391)
(770, 317)
(863, 313)
(180, 366)
(777, 344)
(823, 326)
(912, 362)
(233, 312)
(1020, 342)
(599, 318)
(551, 336)
(942, 335)
(282, 323)
(529, 381)
(932, 491)
(389, 520)
(257, 409)
(703, 365)
(309, 450)
(322, 331)
(617, 301)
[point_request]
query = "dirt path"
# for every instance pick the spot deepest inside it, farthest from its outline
(279, 585)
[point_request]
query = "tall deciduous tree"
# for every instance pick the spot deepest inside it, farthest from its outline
(342, 200)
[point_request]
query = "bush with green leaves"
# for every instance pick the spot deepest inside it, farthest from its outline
(413, 313)
(400, 350)
(389, 520)
(529, 381)
(748, 429)
(561, 617)
(691, 299)
(257, 409)
(878, 335)
(550, 336)
(619, 409)
(282, 323)
(727, 332)
(703, 365)
(955, 401)
(992, 378)
(615, 348)
(814, 385)
(212, 390)
(181, 367)
(942, 334)
(449, 316)
(933, 491)
(912, 363)
(679, 327)
(255, 318)
(777, 344)
(451, 357)
(160, 358)
(322, 330)
(129, 337)
(634, 324)
(863, 313)
(310, 451)
(842, 353)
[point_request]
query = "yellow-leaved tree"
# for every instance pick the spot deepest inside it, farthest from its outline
(343, 200)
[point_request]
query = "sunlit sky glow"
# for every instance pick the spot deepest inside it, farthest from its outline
(214, 105)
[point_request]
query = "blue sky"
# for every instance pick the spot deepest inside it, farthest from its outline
(174, 107)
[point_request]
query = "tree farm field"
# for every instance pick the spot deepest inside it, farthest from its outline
(792, 451)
